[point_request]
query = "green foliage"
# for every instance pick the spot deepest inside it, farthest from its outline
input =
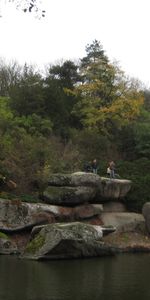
(139, 172)
(26, 96)
(29, 198)
(58, 103)
(34, 124)
(91, 145)
(142, 135)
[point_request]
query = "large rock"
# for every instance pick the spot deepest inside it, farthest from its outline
(68, 196)
(72, 240)
(75, 179)
(81, 187)
(113, 189)
(123, 221)
(18, 216)
(146, 214)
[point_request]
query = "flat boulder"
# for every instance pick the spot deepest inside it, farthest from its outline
(67, 195)
(18, 216)
(81, 187)
(68, 240)
(113, 189)
(75, 179)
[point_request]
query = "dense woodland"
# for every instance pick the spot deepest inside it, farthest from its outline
(74, 112)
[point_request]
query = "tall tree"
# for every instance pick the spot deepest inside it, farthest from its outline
(107, 99)
(58, 102)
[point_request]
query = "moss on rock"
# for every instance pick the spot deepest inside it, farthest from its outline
(35, 244)
(3, 236)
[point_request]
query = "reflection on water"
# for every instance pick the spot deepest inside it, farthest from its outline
(123, 277)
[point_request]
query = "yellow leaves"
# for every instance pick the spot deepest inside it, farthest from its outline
(87, 89)
(119, 112)
(126, 110)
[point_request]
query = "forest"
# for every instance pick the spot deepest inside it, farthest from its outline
(72, 113)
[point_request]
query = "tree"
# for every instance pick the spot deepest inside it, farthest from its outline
(58, 103)
(9, 76)
(67, 74)
(108, 100)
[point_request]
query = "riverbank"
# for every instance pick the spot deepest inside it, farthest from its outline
(118, 242)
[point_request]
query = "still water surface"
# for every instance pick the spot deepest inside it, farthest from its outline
(123, 277)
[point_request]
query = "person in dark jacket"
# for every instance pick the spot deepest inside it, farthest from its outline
(87, 167)
(94, 166)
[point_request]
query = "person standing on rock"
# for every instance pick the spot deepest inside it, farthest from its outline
(94, 166)
(112, 169)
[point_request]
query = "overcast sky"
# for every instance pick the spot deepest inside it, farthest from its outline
(122, 27)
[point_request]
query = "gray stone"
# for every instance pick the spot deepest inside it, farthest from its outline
(68, 196)
(81, 187)
(113, 189)
(17, 215)
(123, 221)
(75, 179)
(72, 240)
(114, 206)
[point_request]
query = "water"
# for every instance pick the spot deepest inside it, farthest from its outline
(123, 277)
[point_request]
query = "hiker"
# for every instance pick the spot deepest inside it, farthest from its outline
(112, 169)
(94, 166)
(108, 171)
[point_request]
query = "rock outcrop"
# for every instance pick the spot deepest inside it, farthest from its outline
(72, 215)
(114, 188)
(18, 216)
(81, 187)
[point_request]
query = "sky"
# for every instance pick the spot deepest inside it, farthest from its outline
(121, 26)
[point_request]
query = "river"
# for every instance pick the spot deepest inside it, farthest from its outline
(123, 277)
